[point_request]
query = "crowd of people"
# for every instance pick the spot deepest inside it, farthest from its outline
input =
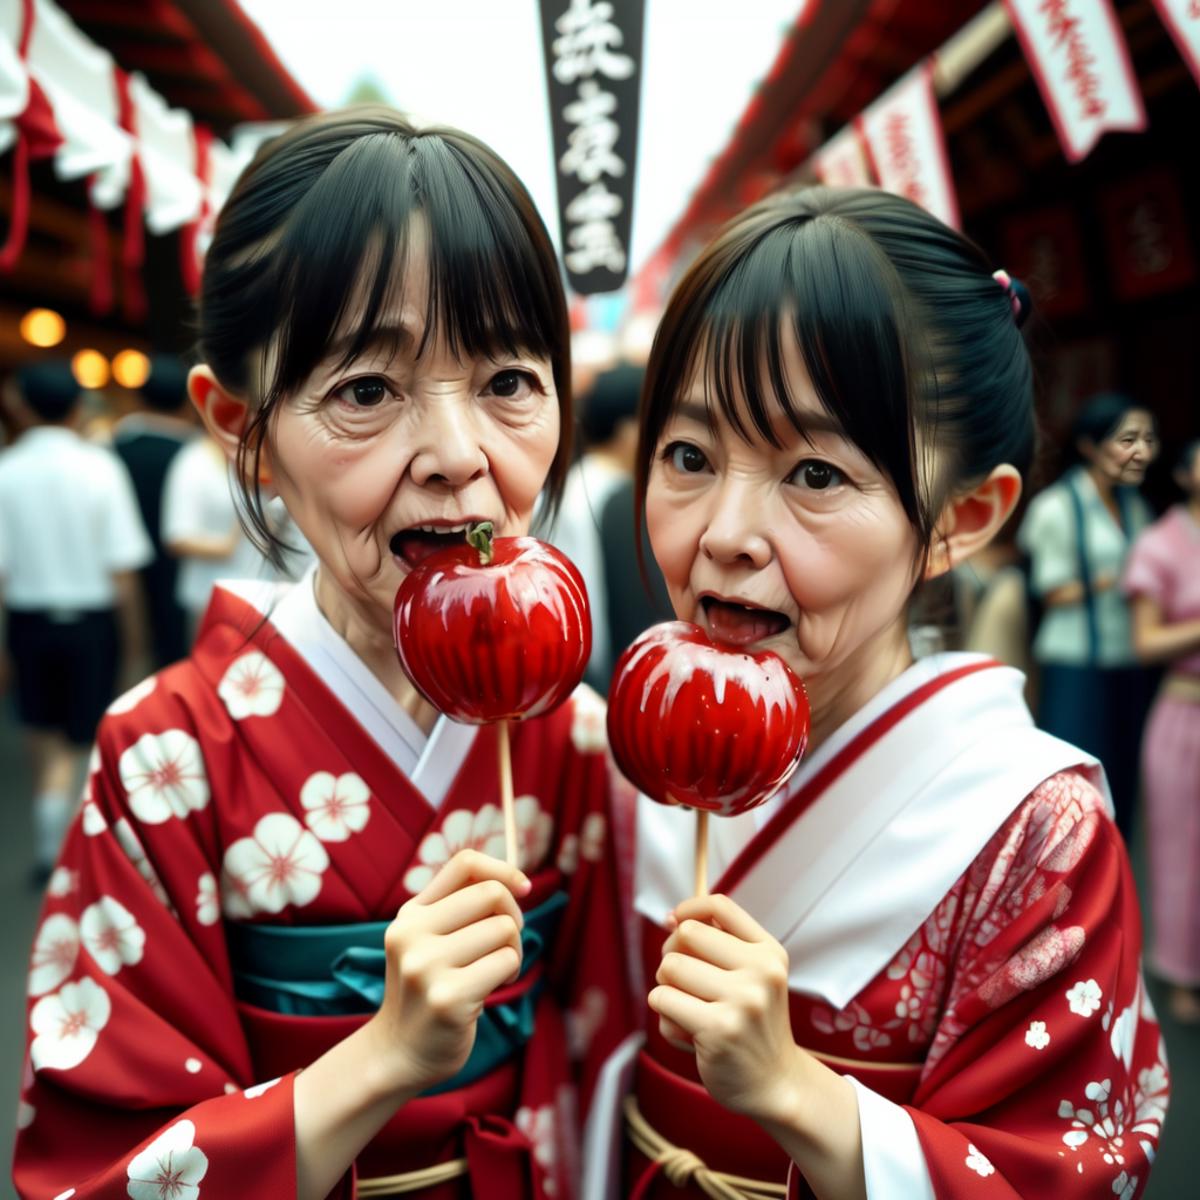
(279, 954)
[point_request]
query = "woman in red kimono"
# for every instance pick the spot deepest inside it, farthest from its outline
(281, 956)
(918, 975)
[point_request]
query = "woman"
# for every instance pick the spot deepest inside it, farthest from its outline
(918, 974)
(383, 338)
(1162, 580)
(1077, 534)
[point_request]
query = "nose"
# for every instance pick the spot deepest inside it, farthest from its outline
(450, 452)
(734, 535)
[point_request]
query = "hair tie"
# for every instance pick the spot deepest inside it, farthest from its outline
(1004, 279)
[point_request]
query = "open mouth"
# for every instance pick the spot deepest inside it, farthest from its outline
(416, 543)
(741, 624)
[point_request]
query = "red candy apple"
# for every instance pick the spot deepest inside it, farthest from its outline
(695, 722)
(494, 630)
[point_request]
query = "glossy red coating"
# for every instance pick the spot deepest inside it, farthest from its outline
(494, 642)
(695, 722)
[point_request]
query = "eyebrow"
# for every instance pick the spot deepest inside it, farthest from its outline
(803, 422)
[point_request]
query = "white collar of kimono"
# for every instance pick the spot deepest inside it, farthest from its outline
(847, 883)
(431, 761)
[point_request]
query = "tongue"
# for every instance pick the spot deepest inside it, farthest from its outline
(416, 547)
(742, 626)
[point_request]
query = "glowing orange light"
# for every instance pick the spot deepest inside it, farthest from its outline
(43, 327)
(90, 368)
(130, 368)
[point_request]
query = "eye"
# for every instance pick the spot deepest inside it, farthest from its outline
(685, 457)
(368, 392)
(513, 384)
(816, 475)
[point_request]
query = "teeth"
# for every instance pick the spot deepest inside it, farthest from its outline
(444, 528)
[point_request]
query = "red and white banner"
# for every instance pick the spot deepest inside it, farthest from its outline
(903, 135)
(1081, 63)
(841, 162)
(1182, 18)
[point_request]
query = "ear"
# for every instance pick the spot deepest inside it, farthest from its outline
(224, 413)
(971, 519)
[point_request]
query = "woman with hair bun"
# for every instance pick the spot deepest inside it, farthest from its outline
(279, 956)
(918, 973)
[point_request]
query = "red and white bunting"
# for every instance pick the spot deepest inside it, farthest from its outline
(1081, 63)
(903, 135)
(841, 162)
(1182, 18)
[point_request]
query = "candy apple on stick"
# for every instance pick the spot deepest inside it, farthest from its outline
(491, 631)
(712, 726)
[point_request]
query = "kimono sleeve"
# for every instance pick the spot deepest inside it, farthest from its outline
(137, 1073)
(1047, 1075)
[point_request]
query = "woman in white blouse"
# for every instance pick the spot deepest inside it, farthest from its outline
(1077, 535)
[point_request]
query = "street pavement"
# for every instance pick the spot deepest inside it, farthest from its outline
(1175, 1177)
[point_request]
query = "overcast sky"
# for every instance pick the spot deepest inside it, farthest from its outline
(478, 64)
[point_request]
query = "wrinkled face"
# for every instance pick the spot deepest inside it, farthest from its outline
(386, 459)
(803, 549)
(1126, 454)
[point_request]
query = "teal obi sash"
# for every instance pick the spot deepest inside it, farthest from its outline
(339, 970)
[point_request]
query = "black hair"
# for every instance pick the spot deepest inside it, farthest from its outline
(1187, 457)
(165, 389)
(326, 206)
(1101, 417)
(50, 389)
(613, 399)
(908, 338)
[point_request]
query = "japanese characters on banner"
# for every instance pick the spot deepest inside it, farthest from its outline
(903, 134)
(593, 52)
(841, 162)
(1081, 63)
(1182, 19)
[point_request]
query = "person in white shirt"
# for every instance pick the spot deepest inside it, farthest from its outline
(71, 542)
(1077, 535)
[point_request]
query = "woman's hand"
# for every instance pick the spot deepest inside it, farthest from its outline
(448, 949)
(723, 991)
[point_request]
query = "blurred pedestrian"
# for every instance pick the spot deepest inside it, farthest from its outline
(1162, 580)
(147, 442)
(200, 528)
(1077, 534)
(609, 426)
(70, 542)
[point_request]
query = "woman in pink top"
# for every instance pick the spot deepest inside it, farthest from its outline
(1162, 579)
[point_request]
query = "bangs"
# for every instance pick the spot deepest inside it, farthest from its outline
(490, 292)
(845, 322)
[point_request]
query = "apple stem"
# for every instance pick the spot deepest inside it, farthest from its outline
(506, 797)
(701, 852)
(480, 536)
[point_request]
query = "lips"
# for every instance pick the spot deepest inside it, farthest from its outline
(417, 542)
(741, 624)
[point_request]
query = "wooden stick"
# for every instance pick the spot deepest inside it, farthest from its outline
(506, 798)
(701, 852)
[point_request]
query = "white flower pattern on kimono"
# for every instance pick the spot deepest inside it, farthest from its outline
(537, 1124)
(1036, 1036)
(112, 936)
(591, 837)
(55, 950)
(582, 1022)
(461, 829)
(1105, 1122)
(252, 687)
(588, 715)
(568, 854)
(129, 841)
(534, 830)
(1040, 959)
(132, 698)
(978, 1161)
(1125, 1186)
(208, 903)
(281, 864)
(170, 1168)
(853, 1019)
(337, 806)
(1083, 998)
(164, 776)
(92, 819)
(62, 882)
(68, 1024)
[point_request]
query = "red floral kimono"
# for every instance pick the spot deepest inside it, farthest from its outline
(964, 944)
(234, 794)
